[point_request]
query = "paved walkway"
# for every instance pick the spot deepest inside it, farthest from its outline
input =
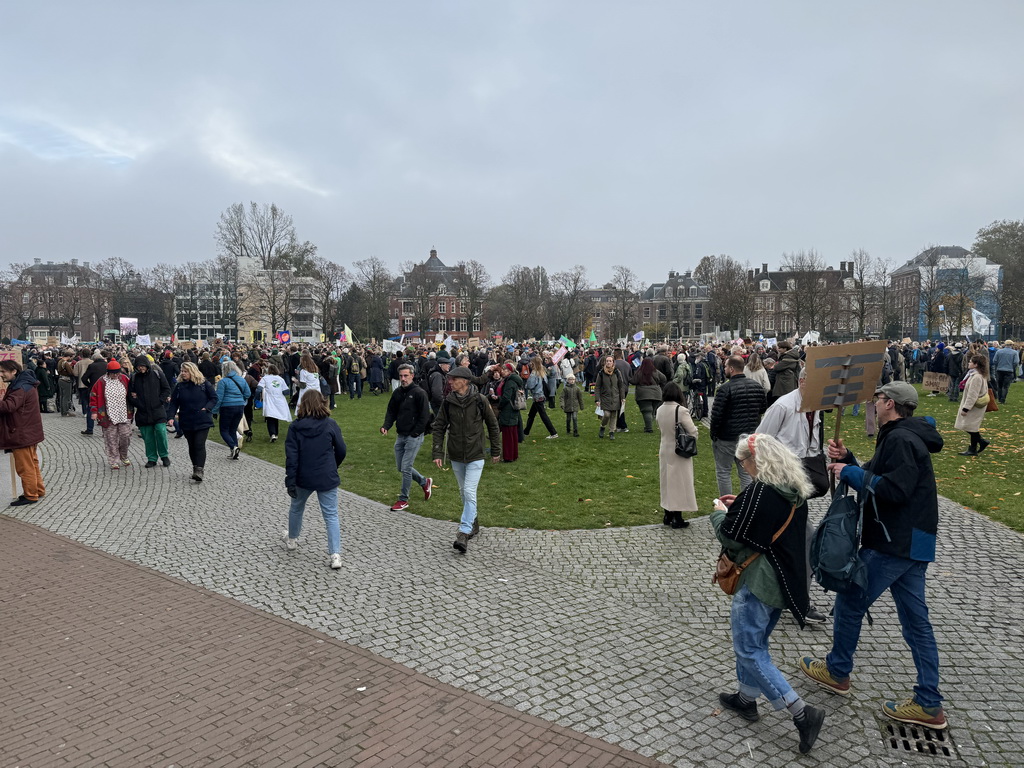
(615, 634)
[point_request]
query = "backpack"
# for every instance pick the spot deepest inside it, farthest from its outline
(684, 374)
(835, 561)
(521, 399)
(325, 388)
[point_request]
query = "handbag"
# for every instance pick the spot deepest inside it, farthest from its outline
(520, 400)
(815, 467)
(727, 573)
(686, 444)
(991, 404)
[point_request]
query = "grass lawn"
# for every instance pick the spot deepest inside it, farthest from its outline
(590, 483)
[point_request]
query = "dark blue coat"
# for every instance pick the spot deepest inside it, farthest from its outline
(313, 451)
(194, 405)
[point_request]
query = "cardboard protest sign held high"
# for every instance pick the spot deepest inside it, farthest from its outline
(843, 374)
(935, 382)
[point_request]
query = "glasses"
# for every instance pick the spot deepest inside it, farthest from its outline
(879, 398)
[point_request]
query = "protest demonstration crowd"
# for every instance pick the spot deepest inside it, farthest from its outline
(482, 402)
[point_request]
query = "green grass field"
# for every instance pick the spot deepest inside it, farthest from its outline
(590, 483)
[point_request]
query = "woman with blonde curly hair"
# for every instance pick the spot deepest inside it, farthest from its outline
(763, 530)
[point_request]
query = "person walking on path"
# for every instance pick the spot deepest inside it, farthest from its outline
(21, 429)
(273, 390)
(409, 412)
(765, 528)
(313, 450)
(897, 543)
(973, 400)
(675, 472)
(536, 385)
(509, 418)
(1005, 363)
(571, 400)
(150, 394)
(786, 369)
(232, 393)
(736, 411)
(111, 407)
(648, 382)
(610, 393)
(193, 400)
(462, 418)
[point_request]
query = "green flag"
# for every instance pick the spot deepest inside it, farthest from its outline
(567, 342)
(593, 337)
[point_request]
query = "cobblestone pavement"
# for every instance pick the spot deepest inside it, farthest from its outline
(614, 633)
(140, 669)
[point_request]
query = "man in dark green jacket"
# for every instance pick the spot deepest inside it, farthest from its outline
(463, 416)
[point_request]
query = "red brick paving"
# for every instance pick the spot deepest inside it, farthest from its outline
(105, 663)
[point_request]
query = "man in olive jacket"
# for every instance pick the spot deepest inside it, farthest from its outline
(462, 416)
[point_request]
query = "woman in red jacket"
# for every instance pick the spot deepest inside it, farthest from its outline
(112, 408)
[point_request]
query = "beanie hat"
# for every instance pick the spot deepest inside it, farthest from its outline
(443, 356)
(113, 365)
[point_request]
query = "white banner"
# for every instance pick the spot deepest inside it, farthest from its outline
(143, 340)
(811, 337)
(392, 346)
(69, 340)
(982, 323)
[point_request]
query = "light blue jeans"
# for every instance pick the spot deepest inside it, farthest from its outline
(406, 449)
(467, 473)
(752, 625)
(328, 508)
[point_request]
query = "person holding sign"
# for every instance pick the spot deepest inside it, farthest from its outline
(897, 543)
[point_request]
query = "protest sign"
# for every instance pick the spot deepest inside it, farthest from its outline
(935, 382)
(474, 342)
(143, 340)
(557, 357)
(842, 375)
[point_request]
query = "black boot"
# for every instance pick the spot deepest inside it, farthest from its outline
(984, 444)
(809, 726)
(667, 520)
(746, 711)
(678, 522)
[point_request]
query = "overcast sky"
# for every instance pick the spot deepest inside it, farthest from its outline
(530, 132)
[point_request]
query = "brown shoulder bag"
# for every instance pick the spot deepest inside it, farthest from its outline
(727, 573)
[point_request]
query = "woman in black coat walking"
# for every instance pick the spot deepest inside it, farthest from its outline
(193, 400)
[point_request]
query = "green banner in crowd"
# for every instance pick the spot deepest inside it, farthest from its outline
(567, 342)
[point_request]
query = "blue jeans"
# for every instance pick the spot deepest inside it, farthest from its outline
(406, 449)
(467, 473)
(752, 625)
(905, 580)
(1003, 381)
(355, 386)
(230, 415)
(328, 508)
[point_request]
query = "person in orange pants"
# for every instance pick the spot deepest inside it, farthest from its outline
(21, 428)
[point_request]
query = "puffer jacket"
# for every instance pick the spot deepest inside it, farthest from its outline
(464, 418)
(313, 451)
(738, 407)
(20, 422)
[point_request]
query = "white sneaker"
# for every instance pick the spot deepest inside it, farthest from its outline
(336, 561)
(273, 438)
(552, 437)
(290, 544)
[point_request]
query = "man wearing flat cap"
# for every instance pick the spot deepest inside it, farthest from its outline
(463, 417)
(900, 521)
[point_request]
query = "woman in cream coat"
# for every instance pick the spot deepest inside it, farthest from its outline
(677, 492)
(971, 413)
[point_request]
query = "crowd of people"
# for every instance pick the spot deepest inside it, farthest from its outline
(483, 402)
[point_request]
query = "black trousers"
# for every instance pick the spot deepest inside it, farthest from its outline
(535, 409)
(197, 446)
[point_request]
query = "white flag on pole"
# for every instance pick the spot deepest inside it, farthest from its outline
(982, 323)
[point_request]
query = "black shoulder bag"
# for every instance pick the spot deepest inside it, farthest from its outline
(686, 444)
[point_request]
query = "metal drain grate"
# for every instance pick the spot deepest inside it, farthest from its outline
(917, 740)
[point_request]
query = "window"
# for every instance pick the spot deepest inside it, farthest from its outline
(597, 315)
(791, 285)
(698, 329)
(442, 307)
(769, 303)
(24, 299)
(476, 324)
(407, 325)
(462, 307)
(441, 290)
(463, 325)
(684, 329)
(848, 283)
(647, 313)
(408, 307)
(758, 304)
(693, 291)
(766, 285)
(662, 313)
(698, 311)
(668, 292)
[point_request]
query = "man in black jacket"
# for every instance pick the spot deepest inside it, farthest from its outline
(737, 411)
(409, 412)
(901, 519)
(150, 393)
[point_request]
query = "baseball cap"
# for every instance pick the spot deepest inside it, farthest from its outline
(900, 392)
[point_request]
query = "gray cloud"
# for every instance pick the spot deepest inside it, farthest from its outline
(601, 133)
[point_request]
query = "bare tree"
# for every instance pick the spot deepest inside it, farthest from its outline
(863, 296)
(259, 232)
(623, 312)
(474, 283)
(516, 306)
(730, 292)
(931, 292)
(373, 278)
(188, 281)
(569, 311)
(1002, 242)
(422, 285)
(885, 299)
(330, 282)
(806, 296)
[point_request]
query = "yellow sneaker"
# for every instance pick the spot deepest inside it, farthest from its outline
(817, 670)
(909, 711)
